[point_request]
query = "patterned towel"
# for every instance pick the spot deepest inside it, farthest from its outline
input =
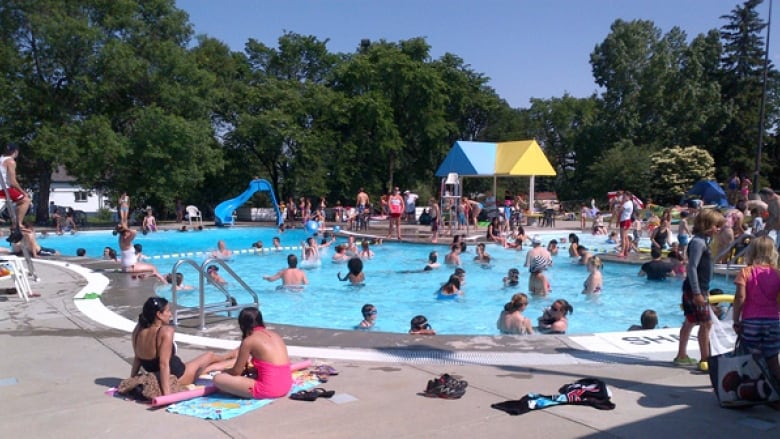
(223, 406)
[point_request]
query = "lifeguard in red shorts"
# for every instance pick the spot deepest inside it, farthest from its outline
(14, 189)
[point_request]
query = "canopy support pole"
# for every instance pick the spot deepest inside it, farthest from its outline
(531, 193)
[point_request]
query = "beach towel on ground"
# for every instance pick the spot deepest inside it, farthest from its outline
(587, 391)
(223, 406)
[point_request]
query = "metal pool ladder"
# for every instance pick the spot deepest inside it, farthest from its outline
(229, 304)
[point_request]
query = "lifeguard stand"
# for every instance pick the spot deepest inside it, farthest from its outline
(451, 192)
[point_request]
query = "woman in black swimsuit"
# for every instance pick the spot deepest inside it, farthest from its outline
(661, 237)
(155, 350)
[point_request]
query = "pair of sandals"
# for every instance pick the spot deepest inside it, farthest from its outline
(312, 395)
(323, 372)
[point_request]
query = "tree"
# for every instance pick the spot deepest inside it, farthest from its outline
(104, 86)
(560, 124)
(742, 64)
(673, 171)
(624, 166)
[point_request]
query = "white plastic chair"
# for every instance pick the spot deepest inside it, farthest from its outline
(193, 213)
(19, 275)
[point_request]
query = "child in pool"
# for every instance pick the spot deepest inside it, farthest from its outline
(369, 317)
(420, 326)
(512, 278)
(355, 275)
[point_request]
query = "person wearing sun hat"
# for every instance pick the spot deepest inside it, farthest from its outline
(538, 284)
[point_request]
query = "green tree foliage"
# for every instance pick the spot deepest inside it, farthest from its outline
(560, 125)
(673, 171)
(742, 65)
(624, 166)
(108, 90)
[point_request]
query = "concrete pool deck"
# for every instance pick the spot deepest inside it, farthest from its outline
(57, 362)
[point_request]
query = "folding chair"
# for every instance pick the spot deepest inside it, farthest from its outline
(19, 274)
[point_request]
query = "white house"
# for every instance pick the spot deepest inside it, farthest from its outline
(66, 193)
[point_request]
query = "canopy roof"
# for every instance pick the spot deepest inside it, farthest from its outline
(710, 192)
(487, 159)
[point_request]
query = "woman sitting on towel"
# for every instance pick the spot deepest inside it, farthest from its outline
(268, 356)
(155, 350)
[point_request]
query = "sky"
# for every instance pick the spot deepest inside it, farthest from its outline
(528, 48)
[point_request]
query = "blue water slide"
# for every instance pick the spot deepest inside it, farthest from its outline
(223, 213)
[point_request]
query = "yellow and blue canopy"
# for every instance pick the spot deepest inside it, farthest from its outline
(487, 159)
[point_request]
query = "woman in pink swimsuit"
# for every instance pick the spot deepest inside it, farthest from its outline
(269, 358)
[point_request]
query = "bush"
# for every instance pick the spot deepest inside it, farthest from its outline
(103, 215)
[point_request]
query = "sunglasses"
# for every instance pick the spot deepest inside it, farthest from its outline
(370, 313)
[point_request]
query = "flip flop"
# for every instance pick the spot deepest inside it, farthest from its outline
(304, 395)
(322, 393)
(324, 369)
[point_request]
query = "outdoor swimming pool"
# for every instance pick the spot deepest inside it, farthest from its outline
(328, 303)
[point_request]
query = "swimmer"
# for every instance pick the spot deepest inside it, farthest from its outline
(594, 281)
(537, 281)
(290, 276)
(341, 255)
(365, 251)
(109, 254)
(139, 255)
(351, 246)
(553, 320)
(453, 257)
(178, 286)
(213, 273)
(355, 275)
(432, 264)
(511, 320)
(420, 326)
(461, 273)
(369, 317)
(552, 247)
(512, 278)
(222, 252)
(451, 288)
(276, 243)
(482, 256)
(310, 250)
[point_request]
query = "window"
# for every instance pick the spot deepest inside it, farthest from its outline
(81, 196)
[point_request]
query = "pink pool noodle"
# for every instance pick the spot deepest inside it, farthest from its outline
(207, 390)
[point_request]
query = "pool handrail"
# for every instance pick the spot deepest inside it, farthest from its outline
(739, 241)
(228, 305)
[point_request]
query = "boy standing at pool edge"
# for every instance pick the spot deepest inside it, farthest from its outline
(695, 289)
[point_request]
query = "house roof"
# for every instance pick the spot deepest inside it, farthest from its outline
(546, 196)
(60, 175)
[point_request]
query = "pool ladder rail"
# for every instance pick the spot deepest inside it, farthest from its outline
(738, 246)
(229, 304)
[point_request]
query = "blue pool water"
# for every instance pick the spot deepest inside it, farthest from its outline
(328, 303)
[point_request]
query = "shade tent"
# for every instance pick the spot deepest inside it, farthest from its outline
(502, 159)
(710, 193)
